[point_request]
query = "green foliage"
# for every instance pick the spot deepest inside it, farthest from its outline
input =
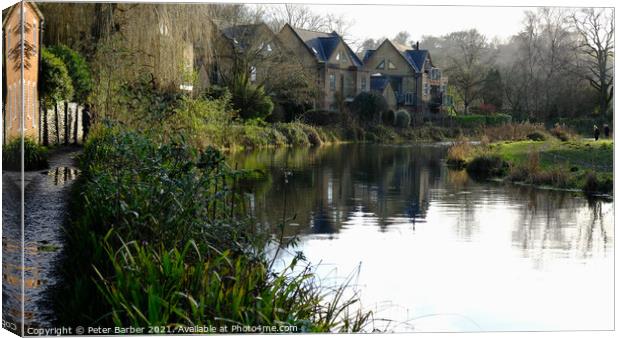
(498, 119)
(402, 119)
(596, 184)
(388, 118)
(320, 117)
(476, 120)
(486, 166)
(35, 155)
(536, 136)
(250, 100)
(368, 106)
(78, 70)
(159, 235)
(55, 84)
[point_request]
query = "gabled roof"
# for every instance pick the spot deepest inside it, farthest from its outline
(32, 4)
(414, 57)
(417, 57)
(240, 35)
(322, 45)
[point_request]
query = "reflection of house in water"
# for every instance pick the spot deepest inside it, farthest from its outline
(393, 186)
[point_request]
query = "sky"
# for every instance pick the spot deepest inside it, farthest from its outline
(376, 21)
(372, 20)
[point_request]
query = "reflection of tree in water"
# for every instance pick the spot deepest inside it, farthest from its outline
(558, 220)
(329, 183)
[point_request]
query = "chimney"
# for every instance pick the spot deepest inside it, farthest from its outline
(417, 45)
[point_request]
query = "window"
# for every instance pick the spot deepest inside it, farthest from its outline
(252, 74)
(314, 50)
(391, 65)
(269, 47)
(34, 34)
(381, 65)
(363, 84)
(332, 81)
(427, 89)
(163, 28)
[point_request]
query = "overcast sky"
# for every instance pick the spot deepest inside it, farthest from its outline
(376, 21)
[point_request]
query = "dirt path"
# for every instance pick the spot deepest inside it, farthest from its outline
(46, 195)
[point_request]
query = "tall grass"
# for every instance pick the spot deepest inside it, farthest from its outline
(159, 237)
(35, 155)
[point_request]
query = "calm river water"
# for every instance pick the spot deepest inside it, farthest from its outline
(434, 250)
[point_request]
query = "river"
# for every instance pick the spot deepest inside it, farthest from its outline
(433, 250)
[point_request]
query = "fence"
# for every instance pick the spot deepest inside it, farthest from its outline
(62, 127)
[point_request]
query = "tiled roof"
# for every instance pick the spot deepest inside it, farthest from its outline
(416, 57)
(241, 34)
(324, 44)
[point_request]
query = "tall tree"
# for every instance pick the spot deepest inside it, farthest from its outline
(596, 31)
(403, 38)
(468, 64)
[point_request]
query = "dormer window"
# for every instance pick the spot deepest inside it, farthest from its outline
(163, 28)
(381, 65)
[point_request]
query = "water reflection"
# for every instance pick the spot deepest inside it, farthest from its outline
(61, 175)
(430, 240)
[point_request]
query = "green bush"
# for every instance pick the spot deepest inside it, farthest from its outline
(470, 121)
(55, 84)
(498, 119)
(486, 166)
(596, 185)
(368, 106)
(321, 117)
(402, 119)
(78, 71)
(388, 118)
(159, 235)
(536, 136)
(35, 155)
(250, 100)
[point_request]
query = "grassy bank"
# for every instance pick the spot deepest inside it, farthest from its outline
(574, 164)
(158, 236)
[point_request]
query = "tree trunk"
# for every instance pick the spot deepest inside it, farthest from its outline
(67, 123)
(76, 125)
(57, 123)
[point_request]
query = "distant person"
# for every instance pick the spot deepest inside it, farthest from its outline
(597, 133)
(606, 130)
(85, 121)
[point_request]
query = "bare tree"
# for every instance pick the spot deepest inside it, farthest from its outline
(595, 28)
(303, 17)
(403, 38)
(468, 64)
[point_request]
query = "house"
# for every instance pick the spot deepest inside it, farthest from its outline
(335, 69)
(253, 47)
(21, 90)
(417, 84)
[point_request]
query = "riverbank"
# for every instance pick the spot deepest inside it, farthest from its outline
(578, 164)
(46, 194)
(159, 234)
